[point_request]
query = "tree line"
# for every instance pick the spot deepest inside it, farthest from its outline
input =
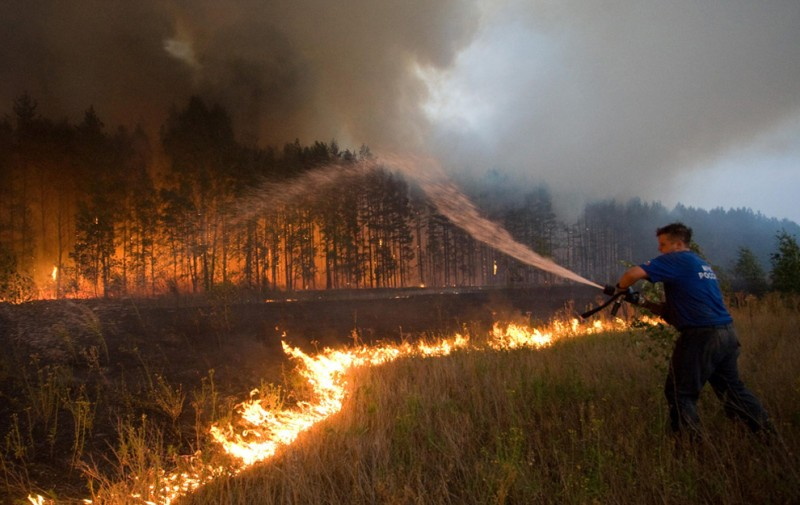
(89, 212)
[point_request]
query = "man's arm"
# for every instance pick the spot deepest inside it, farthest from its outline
(629, 278)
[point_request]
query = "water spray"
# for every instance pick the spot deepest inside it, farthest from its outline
(431, 178)
(454, 205)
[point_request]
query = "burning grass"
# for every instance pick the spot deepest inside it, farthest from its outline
(500, 421)
(582, 421)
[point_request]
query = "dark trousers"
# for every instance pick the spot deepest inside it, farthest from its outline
(709, 354)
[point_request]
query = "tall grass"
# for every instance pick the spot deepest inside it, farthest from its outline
(583, 421)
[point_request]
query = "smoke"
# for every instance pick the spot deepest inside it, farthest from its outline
(611, 99)
(285, 69)
(624, 98)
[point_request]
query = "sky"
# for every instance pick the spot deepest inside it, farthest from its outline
(692, 102)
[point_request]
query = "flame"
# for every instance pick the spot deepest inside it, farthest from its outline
(37, 499)
(54, 273)
(515, 336)
(261, 432)
(258, 432)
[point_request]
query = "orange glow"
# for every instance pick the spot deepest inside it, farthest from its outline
(515, 336)
(260, 433)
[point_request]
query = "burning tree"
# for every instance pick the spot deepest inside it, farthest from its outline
(115, 214)
(14, 287)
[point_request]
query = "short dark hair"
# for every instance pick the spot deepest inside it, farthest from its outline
(677, 231)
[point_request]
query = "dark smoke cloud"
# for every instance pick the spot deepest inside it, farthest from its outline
(286, 69)
(71, 55)
(620, 98)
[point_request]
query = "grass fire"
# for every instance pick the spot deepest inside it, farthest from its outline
(509, 409)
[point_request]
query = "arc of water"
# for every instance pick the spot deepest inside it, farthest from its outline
(454, 205)
(430, 176)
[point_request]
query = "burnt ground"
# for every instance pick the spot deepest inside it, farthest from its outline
(115, 353)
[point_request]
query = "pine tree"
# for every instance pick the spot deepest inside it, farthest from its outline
(749, 277)
(785, 273)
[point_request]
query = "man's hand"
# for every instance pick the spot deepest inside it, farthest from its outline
(634, 297)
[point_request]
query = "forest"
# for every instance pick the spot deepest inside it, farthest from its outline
(91, 211)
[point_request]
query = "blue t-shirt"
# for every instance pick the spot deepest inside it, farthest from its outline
(693, 296)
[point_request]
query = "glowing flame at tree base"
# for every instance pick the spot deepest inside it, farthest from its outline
(259, 432)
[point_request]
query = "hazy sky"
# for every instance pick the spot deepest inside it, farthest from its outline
(681, 101)
(697, 102)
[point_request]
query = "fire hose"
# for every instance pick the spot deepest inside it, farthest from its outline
(616, 297)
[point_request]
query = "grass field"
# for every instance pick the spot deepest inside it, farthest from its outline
(582, 421)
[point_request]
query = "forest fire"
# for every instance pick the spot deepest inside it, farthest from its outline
(261, 428)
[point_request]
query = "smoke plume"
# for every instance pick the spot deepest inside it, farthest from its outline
(623, 98)
(285, 69)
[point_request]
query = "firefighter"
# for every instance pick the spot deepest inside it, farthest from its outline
(707, 348)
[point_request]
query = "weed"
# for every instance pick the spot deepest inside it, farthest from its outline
(44, 392)
(271, 397)
(169, 398)
(205, 401)
(15, 443)
(139, 448)
(653, 342)
(82, 410)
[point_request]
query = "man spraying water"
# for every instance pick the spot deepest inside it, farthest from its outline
(707, 349)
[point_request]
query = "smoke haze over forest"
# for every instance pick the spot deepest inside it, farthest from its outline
(671, 101)
(309, 70)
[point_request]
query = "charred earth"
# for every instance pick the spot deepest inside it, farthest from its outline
(74, 372)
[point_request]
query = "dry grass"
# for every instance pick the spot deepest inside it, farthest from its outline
(580, 422)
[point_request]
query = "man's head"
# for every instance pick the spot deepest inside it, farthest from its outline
(674, 237)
